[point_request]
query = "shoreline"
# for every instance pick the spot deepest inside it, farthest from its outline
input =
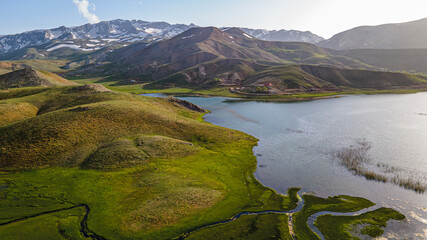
(303, 97)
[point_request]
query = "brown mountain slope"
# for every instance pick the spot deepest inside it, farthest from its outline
(199, 46)
(307, 77)
(410, 60)
(193, 47)
(32, 78)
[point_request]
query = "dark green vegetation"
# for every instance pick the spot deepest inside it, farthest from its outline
(268, 226)
(251, 225)
(313, 204)
(339, 227)
(58, 225)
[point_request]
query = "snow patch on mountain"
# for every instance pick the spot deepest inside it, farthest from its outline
(246, 35)
(134, 30)
(125, 32)
(283, 35)
(64, 46)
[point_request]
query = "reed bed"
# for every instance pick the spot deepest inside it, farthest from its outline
(357, 160)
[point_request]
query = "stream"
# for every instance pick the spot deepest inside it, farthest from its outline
(297, 142)
(84, 228)
(313, 218)
(290, 212)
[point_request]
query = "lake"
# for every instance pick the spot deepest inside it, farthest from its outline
(298, 142)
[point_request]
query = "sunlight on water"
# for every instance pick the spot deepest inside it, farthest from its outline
(298, 142)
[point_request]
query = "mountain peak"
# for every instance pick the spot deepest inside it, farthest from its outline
(234, 31)
(199, 34)
(129, 31)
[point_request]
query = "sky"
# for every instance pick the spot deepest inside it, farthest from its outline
(322, 17)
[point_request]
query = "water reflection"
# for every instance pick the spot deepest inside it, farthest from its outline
(297, 139)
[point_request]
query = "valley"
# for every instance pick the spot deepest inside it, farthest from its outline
(127, 129)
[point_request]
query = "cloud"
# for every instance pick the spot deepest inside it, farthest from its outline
(83, 7)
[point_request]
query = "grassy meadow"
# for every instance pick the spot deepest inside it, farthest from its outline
(144, 167)
(168, 171)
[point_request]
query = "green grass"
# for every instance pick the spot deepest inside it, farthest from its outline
(293, 198)
(224, 92)
(46, 65)
(339, 227)
(163, 170)
(4, 71)
(139, 88)
(268, 226)
(313, 204)
(147, 169)
(59, 225)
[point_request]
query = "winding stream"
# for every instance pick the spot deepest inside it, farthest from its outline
(296, 142)
(237, 216)
(300, 205)
(84, 228)
(313, 218)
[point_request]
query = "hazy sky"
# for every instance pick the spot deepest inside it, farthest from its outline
(323, 17)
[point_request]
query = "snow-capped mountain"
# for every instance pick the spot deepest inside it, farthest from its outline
(90, 37)
(107, 31)
(284, 35)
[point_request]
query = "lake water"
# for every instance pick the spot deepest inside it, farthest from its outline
(297, 142)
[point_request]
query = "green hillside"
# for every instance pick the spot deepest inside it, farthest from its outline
(167, 170)
(54, 66)
(29, 77)
(84, 162)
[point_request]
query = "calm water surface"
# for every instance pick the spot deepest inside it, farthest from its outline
(297, 141)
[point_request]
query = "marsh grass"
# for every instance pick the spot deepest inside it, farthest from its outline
(313, 204)
(370, 223)
(357, 160)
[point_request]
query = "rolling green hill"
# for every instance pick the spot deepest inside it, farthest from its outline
(28, 77)
(55, 66)
(145, 168)
(84, 162)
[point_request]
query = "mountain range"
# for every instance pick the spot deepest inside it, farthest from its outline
(162, 55)
(206, 57)
(90, 37)
(42, 44)
(216, 52)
